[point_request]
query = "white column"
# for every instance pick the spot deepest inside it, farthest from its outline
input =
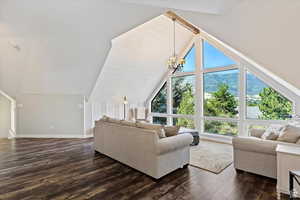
(199, 85)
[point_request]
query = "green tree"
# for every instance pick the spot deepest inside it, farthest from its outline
(159, 103)
(187, 107)
(273, 105)
(180, 87)
(221, 104)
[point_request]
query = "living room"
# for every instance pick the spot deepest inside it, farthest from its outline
(149, 100)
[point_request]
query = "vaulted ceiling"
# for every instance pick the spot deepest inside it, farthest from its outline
(137, 60)
(63, 44)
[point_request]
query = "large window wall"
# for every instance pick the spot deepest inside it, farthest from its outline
(216, 93)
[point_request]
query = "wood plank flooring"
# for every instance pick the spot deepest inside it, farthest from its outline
(69, 169)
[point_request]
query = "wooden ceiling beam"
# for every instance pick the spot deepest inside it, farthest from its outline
(183, 22)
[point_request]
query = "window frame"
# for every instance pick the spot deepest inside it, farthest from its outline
(243, 65)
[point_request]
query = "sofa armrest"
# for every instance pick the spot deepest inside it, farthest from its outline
(254, 132)
(253, 144)
(173, 143)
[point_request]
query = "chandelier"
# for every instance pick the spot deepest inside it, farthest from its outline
(174, 62)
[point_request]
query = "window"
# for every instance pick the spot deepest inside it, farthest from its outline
(190, 63)
(221, 94)
(212, 57)
(263, 102)
(159, 103)
(221, 111)
(184, 122)
(183, 90)
(159, 120)
(220, 127)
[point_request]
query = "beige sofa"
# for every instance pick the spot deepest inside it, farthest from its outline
(142, 149)
(256, 155)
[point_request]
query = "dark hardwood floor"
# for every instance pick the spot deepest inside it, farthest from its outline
(69, 169)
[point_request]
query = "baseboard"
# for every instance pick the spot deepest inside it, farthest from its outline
(12, 134)
(48, 136)
(89, 136)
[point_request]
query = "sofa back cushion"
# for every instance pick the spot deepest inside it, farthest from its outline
(289, 134)
(156, 127)
(128, 123)
(171, 130)
(255, 132)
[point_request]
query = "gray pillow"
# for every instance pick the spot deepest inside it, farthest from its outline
(290, 134)
(272, 132)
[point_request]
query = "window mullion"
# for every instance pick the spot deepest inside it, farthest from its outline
(169, 100)
(242, 102)
(199, 85)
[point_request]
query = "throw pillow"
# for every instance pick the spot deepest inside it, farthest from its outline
(171, 130)
(104, 118)
(289, 134)
(272, 132)
(161, 133)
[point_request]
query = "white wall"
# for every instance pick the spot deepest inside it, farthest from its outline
(5, 116)
(50, 116)
(137, 61)
(62, 48)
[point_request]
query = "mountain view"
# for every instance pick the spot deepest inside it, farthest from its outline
(213, 80)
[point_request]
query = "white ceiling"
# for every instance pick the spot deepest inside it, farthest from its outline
(204, 6)
(137, 61)
(63, 43)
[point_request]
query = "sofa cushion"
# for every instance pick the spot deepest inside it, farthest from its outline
(171, 130)
(149, 126)
(290, 134)
(156, 127)
(128, 123)
(112, 120)
(254, 132)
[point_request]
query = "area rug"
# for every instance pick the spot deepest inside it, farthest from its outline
(211, 156)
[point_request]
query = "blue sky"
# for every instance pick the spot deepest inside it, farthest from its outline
(212, 57)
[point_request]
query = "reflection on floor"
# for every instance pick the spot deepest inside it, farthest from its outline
(69, 169)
